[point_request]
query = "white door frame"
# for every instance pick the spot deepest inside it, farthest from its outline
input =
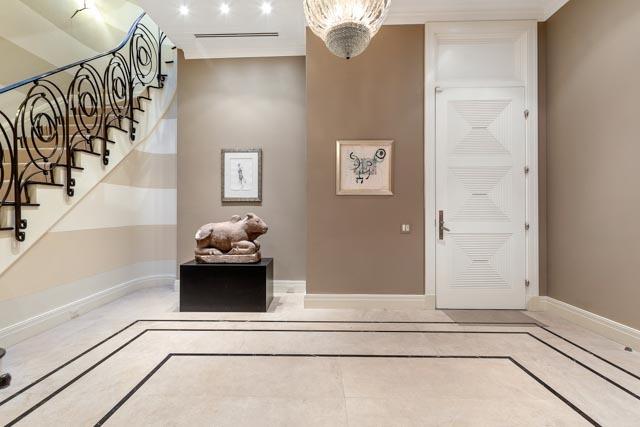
(524, 36)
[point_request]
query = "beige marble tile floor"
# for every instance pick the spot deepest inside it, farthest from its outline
(138, 362)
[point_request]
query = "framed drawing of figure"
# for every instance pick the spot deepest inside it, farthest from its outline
(242, 175)
(364, 168)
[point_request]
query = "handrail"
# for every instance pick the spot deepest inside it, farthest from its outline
(77, 63)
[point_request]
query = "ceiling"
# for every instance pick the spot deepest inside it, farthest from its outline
(287, 19)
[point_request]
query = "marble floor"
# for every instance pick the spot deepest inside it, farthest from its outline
(138, 362)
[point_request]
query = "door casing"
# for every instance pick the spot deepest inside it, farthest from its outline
(521, 36)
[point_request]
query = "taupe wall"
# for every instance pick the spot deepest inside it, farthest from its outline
(244, 103)
(593, 88)
(354, 242)
(542, 156)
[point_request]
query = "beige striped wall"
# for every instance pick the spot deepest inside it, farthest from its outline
(124, 230)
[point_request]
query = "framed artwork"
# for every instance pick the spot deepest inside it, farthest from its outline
(242, 175)
(364, 168)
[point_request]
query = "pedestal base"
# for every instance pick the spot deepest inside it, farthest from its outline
(226, 287)
(229, 259)
(5, 381)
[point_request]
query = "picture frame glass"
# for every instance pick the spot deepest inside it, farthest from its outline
(241, 172)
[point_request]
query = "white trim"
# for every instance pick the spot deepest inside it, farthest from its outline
(539, 13)
(289, 286)
(529, 70)
(552, 7)
(608, 328)
(368, 301)
(22, 330)
(411, 18)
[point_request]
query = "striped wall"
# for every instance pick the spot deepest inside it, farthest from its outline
(119, 234)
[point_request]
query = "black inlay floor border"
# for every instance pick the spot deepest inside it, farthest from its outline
(143, 332)
(533, 324)
(306, 330)
(169, 356)
(135, 322)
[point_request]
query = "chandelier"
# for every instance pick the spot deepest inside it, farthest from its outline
(346, 26)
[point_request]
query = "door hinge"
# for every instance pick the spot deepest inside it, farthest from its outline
(526, 114)
(526, 226)
(439, 89)
(526, 282)
(526, 170)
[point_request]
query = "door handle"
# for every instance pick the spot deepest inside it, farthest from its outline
(441, 227)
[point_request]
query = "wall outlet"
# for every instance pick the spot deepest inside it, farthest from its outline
(406, 228)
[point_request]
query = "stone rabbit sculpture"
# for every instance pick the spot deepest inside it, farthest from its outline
(232, 241)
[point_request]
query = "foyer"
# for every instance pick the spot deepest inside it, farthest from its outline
(319, 213)
(137, 361)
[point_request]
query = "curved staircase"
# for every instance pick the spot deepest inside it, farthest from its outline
(63, 139)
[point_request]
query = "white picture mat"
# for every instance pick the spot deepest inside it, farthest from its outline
(375, 181)
(241, 174)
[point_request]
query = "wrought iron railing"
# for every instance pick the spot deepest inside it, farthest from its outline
(55, 120)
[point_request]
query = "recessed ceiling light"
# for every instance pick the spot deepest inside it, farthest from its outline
(184, 10)
(224, 8)
(266, 8)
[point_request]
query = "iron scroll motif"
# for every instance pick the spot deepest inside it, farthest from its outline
(364, 167)
(57, 118)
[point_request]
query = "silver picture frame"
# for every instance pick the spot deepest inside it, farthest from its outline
(227, 194)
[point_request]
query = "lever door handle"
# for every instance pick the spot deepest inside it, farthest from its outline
(441, 227)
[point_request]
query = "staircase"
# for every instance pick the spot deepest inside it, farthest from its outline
(56, 133)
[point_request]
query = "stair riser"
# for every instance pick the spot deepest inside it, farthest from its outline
(23, 155)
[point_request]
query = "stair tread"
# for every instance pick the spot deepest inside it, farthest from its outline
(49, 184)
(82, 150)
(25, 204)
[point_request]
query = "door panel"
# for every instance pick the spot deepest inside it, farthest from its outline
(480, 187)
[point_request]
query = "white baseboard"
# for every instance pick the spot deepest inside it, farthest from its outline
(367, 301)
(608, 328)
(289, 286)
(27, 328)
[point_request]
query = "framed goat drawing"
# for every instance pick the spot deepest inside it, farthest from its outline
(364, 167)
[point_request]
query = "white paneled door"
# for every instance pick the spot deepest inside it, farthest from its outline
(480, 198)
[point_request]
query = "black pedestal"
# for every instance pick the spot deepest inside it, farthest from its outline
(226, 287)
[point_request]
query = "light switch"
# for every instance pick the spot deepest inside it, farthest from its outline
(406, 228)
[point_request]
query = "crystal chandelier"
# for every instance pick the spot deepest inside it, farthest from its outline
(346, 26)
